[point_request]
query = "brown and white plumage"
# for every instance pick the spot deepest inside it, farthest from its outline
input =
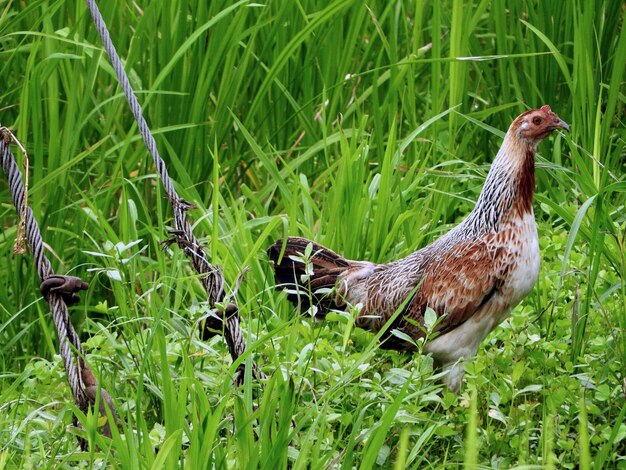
(471, 277)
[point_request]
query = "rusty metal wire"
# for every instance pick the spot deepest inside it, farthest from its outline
(212, 277)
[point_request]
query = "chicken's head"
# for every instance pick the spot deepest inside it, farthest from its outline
(535, 125)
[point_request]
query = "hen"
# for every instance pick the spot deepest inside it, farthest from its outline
(471, 277)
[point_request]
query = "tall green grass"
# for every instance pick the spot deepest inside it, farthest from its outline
(368, 126)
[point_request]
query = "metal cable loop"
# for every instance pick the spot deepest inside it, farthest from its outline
(70, 347)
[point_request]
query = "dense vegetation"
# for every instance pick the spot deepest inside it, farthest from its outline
(367, 126)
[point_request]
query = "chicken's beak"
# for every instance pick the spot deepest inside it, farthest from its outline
(561, 124)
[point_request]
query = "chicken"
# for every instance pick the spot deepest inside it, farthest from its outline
(471, 277)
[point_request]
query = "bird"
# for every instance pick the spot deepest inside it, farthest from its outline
(471, 277)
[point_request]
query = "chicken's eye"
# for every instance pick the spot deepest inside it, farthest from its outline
(536, 120)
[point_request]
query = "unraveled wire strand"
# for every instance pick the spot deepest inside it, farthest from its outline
(19, 247)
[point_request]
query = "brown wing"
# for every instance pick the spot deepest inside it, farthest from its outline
(456, 284)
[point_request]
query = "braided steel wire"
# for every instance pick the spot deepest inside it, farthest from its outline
(70, 347)
(212, 277)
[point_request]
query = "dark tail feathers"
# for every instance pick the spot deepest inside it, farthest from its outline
(290, 273)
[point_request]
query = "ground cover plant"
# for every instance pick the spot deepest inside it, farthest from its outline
(367, 126)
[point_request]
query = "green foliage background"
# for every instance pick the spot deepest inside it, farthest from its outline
(367, 126)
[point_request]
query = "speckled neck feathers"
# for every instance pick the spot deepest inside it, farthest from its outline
(509, 187)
